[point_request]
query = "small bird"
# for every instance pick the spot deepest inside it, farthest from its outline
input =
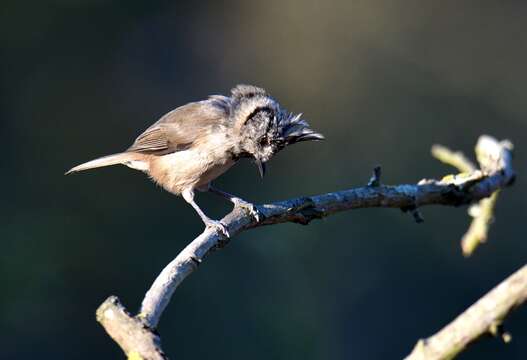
(192, 145)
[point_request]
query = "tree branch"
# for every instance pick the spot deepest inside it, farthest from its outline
(455, 190)
(484, 317)
(482, 212)
(454, 158)
(137, 340)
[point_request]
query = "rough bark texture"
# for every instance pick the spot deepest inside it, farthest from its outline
(137, 340)
(496, 173)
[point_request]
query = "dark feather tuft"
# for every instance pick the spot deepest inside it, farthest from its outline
(294, 129)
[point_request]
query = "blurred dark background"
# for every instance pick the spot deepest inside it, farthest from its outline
(383, 80)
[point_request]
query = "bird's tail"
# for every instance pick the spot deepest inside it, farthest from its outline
(125, 158)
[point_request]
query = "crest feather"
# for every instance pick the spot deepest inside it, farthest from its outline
(294, 129)
(247, 91)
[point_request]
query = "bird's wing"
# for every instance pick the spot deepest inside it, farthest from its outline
(178, 129)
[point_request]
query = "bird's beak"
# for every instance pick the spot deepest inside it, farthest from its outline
(312, 136)
(261, 167)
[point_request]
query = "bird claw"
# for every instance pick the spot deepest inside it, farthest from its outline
(219, 226)
(250, 208)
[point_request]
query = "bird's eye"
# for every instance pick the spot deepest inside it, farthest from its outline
(264, 141)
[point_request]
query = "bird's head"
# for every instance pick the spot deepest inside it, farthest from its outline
(264, 128)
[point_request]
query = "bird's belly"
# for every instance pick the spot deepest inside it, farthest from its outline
(213, 172)
(186, 169)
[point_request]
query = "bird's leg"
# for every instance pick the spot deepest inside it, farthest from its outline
(238, 202)
(188, 195)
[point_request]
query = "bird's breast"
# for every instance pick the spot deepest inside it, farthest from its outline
(192, 168)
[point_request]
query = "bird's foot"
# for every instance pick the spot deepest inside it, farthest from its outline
(250, 208)
(219, 226)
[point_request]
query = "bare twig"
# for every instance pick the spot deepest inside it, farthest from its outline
(482, 212)
(452, 191)
(375, 179)
(454, 158)
(483, 215)
(484, 317)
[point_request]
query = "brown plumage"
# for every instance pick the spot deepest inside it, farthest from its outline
(194, 144)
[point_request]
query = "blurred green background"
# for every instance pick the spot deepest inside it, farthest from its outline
(383, 80)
